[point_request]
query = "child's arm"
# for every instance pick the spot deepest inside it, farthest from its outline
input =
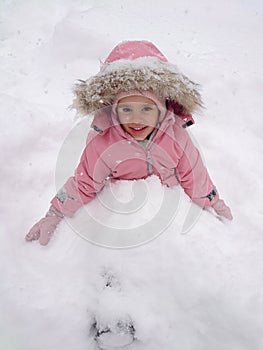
(88, 180)
(80, 189)
(195, 180)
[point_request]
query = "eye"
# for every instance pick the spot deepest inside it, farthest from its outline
(125, 109)
(147, 108)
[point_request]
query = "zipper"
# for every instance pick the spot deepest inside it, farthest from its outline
(147, 152)
(148, 149)
(149, 162)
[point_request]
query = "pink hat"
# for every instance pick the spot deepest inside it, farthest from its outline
(136, 66)
(131, 50)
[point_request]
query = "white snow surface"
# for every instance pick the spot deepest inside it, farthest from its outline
(201, 290)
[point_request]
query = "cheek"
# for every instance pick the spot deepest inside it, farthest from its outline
(153, 121)
(123, 119)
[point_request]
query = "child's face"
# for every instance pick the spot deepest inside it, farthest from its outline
(138, 115)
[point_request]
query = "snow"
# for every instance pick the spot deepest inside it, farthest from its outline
(198, 290)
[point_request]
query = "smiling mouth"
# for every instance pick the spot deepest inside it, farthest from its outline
(138, 129)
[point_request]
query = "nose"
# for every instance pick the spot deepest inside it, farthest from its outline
(137, 118)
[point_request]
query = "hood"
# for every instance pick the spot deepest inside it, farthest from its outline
(136, 65)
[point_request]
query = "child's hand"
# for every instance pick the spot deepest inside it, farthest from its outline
(44, 228)
(222, 209)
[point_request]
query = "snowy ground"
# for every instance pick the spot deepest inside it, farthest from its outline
(199, 291)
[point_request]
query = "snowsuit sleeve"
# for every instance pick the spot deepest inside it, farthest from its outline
(88, 180)
(193, 175)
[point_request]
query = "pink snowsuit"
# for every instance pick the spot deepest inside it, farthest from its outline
(112, 154)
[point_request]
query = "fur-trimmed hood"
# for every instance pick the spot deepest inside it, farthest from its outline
(143, 67)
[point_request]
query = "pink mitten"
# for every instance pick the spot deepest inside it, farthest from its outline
(44, 228)
(222, 209)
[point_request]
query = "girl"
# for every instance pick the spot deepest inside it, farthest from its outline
(141, 106)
